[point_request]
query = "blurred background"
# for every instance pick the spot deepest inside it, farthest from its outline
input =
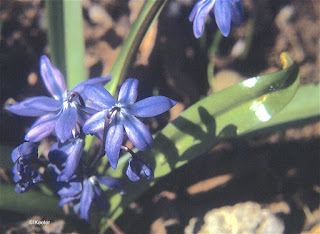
(272, 180)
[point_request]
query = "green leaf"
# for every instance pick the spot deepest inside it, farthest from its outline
(31, 202)
(232, 112)
(66, 40)
(149, 12)
(304, 108)
(5, 156)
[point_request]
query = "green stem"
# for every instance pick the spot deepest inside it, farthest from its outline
(212, 52)
(149, 12)
(249, 36)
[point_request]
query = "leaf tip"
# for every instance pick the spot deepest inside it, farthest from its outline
(286, 60)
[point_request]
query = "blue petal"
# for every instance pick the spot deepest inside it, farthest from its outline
(73, 159)
(66, 121)
(52, 78)
(95, 123)
(66, 200)
(110, 182)
(93, 81)
(35, 106)
(138, 168)
(100, 197)
(70, 189)
(129, 91)
(195, 9)
(41, 128)
(16, 154)
(16, 172)
(57, 155)
(151, 106)
(147, 171)
(99, 96)
(237, 13)
(137, 132)
(234, 1)
(28, 151)
(200, 17)
(36, 178)
(223, 12)
(86, 199)
(83, 115)
(23, 187)
(114, 141)
(132, 175)
(92, 108)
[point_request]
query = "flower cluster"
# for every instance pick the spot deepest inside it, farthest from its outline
(225, 11)
(24, 173)
(86, 109)
(79, 189)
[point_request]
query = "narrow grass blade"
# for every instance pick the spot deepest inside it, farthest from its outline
(66, 40)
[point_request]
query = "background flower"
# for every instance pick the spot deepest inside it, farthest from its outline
(225, 11)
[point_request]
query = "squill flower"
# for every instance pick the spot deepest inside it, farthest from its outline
(138, 168)
(58, 113)
(122, 114)
(71, 152)
(225, 11)
(24, 174)
(81, 190)
(92, 192)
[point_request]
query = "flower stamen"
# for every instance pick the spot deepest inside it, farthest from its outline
(76, 94)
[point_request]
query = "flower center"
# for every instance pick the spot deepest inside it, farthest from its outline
(113, 112)
(77, 95)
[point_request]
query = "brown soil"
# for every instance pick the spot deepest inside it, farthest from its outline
(281, 168)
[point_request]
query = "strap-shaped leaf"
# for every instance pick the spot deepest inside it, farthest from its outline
(31, 202)
(66, 40)
(232, 112)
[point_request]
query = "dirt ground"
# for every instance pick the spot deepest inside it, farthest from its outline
(274, 177)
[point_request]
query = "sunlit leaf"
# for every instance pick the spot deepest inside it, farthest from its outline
(232, 112)
(303, 109)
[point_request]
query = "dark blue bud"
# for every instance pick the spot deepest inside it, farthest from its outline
(138, 168)
(25, 153)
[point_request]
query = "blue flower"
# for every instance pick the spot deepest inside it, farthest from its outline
(122, 114)
(24, 174)
(138, 168)
(92, 192)
(225, 11)
(59, 113)
(81, 190)
(70, 153)
(81, 194)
